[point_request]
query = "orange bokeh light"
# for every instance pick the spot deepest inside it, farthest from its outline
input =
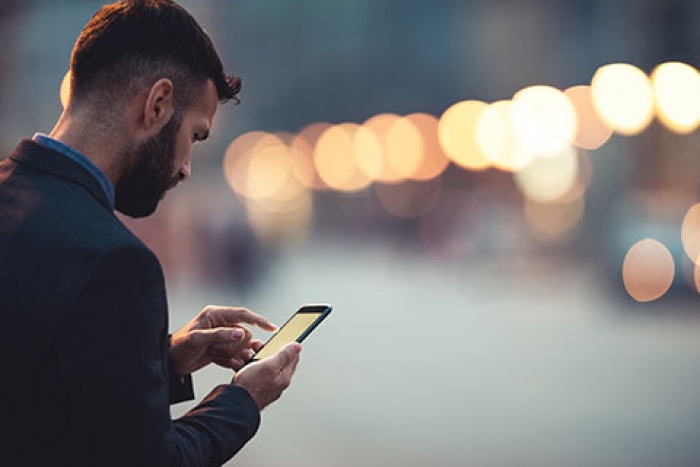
(303, 144)
(404, 148)
(240, 154)
(434, 160)
(380, 126)
(335, 161)
(648, 270)
(592, 132)
(457, 134)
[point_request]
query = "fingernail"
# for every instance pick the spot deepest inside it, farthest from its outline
(237, 334)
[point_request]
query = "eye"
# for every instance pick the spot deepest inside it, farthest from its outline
(200, 136)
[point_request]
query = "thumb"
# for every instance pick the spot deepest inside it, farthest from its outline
(288, 355)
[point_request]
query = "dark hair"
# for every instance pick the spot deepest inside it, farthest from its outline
(130, 44)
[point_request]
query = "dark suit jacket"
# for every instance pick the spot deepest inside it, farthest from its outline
(84, 366)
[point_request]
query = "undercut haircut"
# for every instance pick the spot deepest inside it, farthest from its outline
(130, 44)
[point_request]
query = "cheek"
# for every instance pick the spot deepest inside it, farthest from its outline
(182, 151)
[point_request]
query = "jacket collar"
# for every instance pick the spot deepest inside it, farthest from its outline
(49, 161)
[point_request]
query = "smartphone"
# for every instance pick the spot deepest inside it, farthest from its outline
(296, 328)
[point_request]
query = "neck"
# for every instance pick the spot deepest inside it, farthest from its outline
(94, 141)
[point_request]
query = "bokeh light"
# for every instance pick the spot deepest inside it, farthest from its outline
(592, 131)
(434, 160)
(677, 92)
(690, 233)
(380, 126)
(648, 270)
(544, 120)
(368, 153)
(267, 172)
(273, 180)
(64, 93)
(548, 179)
(404, 148)
(275, 175)
(335, 161)
(457, 134)
(496, 138)
(303, 144)
(623, 97)
(241, 153)
(535, 135)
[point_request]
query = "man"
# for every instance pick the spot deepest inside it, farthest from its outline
(88, 368)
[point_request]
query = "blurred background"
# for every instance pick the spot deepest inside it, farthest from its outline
(498, 198)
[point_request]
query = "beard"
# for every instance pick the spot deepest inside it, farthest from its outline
(152, 173)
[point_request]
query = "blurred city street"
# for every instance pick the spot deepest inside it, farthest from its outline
(491, 363)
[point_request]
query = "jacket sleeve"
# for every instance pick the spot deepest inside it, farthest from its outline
(181, 389)
(114, 359)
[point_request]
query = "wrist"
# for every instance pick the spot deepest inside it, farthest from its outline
(174, 363)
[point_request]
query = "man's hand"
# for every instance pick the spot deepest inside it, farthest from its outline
(216, 335)
(266, 379)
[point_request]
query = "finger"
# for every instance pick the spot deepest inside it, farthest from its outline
(243, 354)
(241, 360)
(256, 345)
(223, 361)
(236, 364)
(233, 363)
(223, 338)
(228, 316)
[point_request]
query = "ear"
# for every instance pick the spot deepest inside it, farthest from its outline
(158, 106)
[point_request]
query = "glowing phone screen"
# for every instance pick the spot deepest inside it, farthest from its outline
(291, 331)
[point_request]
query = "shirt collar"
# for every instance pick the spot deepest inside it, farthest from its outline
(80, 159)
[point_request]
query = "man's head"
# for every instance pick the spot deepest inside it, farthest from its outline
(147, 70)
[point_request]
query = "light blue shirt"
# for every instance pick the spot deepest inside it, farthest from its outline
(80, 159)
